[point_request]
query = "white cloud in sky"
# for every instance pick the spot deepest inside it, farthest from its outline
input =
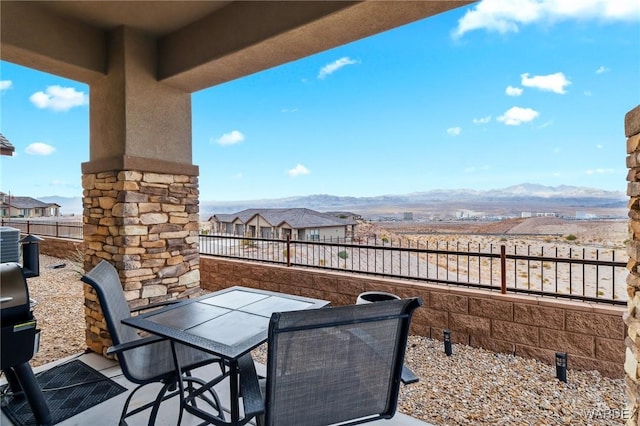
(231, 138)
(482, 120)
(39, 148)
(298, 170)
(515, 116)
(58, 98)
(505, 16)
(335, 66)
(454, 131)
(599, 146)
(238, 176)
(549, 83)
(602, 69)
(5, 84)
(513, 91)
(286, 110)
(600, 171)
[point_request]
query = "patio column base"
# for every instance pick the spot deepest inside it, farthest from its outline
(146, 224)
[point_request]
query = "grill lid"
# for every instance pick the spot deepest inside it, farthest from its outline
(14, 294)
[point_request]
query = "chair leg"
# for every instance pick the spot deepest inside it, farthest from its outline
(158, 401)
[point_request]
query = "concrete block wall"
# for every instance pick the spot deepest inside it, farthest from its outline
(593, 335)
(61, 247)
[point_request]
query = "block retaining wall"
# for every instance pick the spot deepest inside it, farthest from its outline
(533, 327)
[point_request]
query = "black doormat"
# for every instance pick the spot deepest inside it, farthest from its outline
(75, 387)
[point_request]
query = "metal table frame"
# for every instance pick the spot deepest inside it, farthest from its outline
(227, 323)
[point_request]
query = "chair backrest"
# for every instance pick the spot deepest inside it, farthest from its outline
(106, 282)
(334, 365)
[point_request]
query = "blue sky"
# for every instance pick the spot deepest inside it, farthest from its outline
(487, 96)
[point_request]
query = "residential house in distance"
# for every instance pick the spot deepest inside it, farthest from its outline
(6, 147)
(26, 207)
(295, 223)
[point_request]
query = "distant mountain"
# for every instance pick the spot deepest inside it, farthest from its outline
(509, 200)
(68, 205)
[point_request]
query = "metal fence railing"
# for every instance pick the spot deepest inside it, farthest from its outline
(561, 270)
(588, 274)
(46, 228)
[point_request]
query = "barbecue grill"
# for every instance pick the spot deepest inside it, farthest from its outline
(20, 339)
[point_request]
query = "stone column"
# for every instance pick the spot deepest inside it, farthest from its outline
(147, 225)
(632, 316)
(140, 188)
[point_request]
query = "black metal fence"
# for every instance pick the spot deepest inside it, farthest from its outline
(563, 270)
(46, 228)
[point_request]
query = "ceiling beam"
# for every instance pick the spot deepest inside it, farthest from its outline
(247, 37)
(36, 38)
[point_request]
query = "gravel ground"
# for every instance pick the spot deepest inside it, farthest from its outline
(473, 386)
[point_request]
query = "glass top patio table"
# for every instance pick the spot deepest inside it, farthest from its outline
(227, 323)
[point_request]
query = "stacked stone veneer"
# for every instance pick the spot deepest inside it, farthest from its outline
(534, 327)
(632, 316)
(147, 225)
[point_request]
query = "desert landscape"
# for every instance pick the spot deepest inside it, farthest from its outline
(551, 237)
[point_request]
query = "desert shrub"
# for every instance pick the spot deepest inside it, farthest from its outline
(570, 237)
(247, 243)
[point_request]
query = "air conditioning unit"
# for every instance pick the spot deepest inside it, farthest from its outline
(9, 244)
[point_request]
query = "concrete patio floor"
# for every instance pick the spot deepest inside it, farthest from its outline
(108, 412)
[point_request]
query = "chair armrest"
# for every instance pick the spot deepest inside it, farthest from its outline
(407, 376)
(116, 349)
(250, 387)
(154, 305)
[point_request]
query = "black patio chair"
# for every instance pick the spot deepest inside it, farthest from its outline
(333, 365)
(145, 360)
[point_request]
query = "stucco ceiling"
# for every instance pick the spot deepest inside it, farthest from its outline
(154, 17)
(198, 44)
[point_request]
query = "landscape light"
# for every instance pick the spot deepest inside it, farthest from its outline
(561, 366)
(447, 342)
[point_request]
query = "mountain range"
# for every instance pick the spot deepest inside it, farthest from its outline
(509, 200)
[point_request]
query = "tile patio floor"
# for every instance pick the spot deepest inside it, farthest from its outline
(107, 413)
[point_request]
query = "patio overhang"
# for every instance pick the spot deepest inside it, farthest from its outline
(200, 44)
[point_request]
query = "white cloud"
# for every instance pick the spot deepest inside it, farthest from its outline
(515, 116)
(58, 98)
(39, 148)
(588, 93)
(286, 110)
(550, 83)
(483, 120)
(600, 171)
(335, 66)
(298, 170)
(513, 91)
(5, 84)
(602, 69)
(504, 16)
(599, 146)
(230, 138)
(238, 176)
(454, 131)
